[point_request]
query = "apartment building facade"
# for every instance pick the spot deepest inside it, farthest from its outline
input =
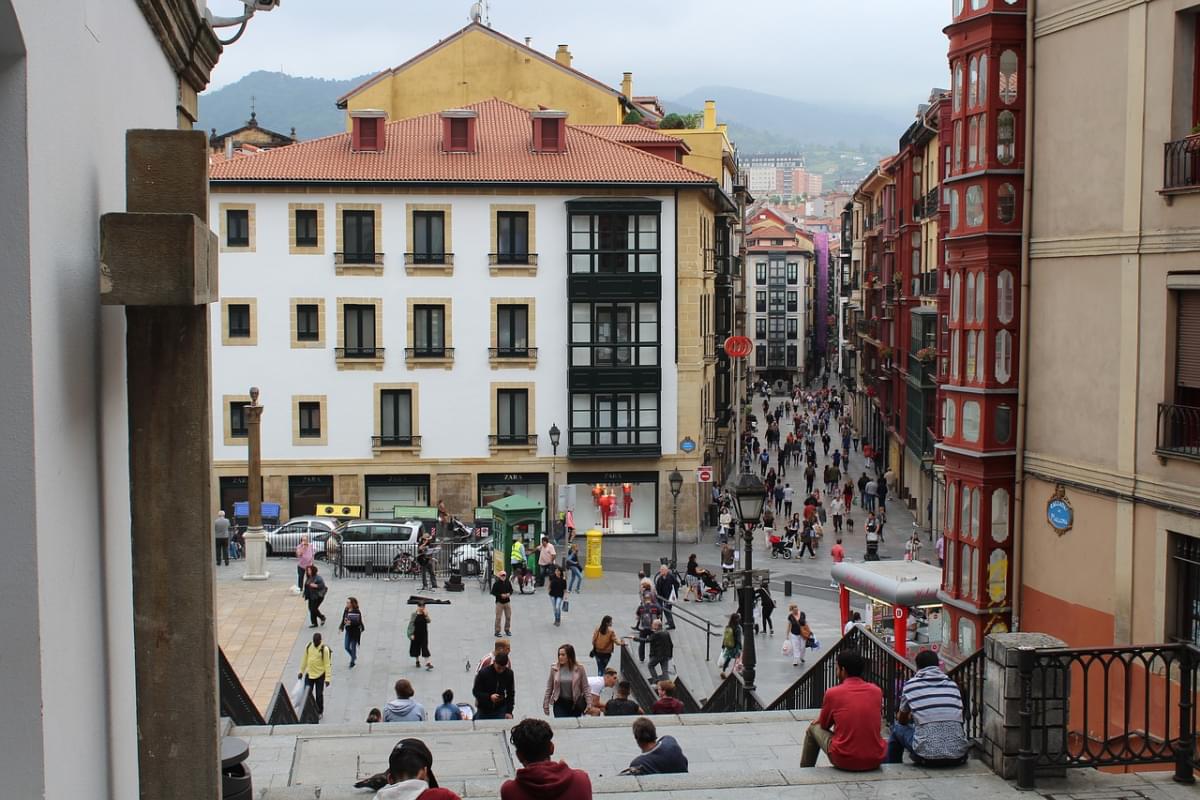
(422, 301)
(779, 264)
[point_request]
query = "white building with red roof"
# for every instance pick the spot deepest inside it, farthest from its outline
(421, 301)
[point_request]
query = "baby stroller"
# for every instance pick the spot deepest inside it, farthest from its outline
(782, 547)
(709, 588)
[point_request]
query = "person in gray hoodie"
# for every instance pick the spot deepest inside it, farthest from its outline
(659, 756)
(404, 708)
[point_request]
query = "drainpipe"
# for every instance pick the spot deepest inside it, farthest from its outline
(1023, 327)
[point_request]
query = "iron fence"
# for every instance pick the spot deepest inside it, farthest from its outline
(685, 696)
(968, 674)
(396, 561)
(732, 695)
(1108, 707)
(639, 684)
(236, 702)
(1181, 164)
(513, 259)
(1179, 430)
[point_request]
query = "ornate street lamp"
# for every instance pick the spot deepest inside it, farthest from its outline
(676, 482)
(749, 495)
(555, 438)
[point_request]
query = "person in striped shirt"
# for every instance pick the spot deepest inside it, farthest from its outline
(929, 724)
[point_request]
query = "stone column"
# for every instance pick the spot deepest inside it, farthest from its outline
(1001, 712)
(255, 537)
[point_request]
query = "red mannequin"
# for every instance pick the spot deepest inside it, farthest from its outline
(606, 509)
(597, 493)
(627, 490)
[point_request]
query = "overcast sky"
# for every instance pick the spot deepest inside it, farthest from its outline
(883, 53)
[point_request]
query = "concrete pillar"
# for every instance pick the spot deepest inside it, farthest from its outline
(1002, 703)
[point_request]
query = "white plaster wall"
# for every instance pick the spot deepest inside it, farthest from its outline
(94, 69)
(454, 405)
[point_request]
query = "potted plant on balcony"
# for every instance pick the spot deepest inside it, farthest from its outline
(926, 354)
(1191, 142)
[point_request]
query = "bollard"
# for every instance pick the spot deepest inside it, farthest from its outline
(787, 588)
(646, 573)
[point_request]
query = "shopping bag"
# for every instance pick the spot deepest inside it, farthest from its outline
(566, 605)
(298, 695)
(787, 648)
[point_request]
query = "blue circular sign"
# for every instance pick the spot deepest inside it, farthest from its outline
(687, 445)
(1060, 515)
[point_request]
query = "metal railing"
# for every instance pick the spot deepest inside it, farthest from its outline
(395, 441)
(697, 621)
(401, 562)
(358, 259)
(1178, 430)
(358, 352)
(432, 259)
(512, 440)
(429, 352)
(512, 352)
(1181, 164)
(732, 695)
(512, 259)
(1107, 707)
(885, 669)
(968, 674)
(639, 684)
(685, 696)
(236, 702)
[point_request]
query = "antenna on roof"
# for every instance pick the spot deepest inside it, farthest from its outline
(479, 13)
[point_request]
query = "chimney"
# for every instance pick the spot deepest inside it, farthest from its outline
(627, 85)
(228, 146)
(710, 115)
(367, 130)
(549, 131)
(563, 55)
(458, 130)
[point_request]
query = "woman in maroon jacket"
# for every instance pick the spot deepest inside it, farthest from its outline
(567, 688)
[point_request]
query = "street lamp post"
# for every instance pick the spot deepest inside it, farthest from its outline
(676, 482)
(749, 494)
(255, 538)
(555, 438)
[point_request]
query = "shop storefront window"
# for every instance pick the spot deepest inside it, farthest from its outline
(618, 503)
(385, 492)
(496, 486)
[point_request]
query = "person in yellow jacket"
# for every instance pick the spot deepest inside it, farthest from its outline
(316, 668)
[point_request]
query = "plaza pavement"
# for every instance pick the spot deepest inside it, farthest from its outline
(263, 628)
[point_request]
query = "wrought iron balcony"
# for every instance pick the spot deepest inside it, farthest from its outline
(383, 442)
(511, 259)
(358, 352)
(429, 352)
(431, 259)
(358, 259)
(1181, 165)
(1178, 431)
(512, 440)
(512, 352)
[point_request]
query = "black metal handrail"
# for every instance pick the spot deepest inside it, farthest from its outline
(512, 352)
(696, 621)
(639, 684)
(281, 711)
(431, 259)
(357, 259)
(512, 440)
(1181, 164)
(236, 702)
(732, 695)
(685, 696)
(512, 259)
(968, 674)
(885, 668)
(429, 352)
(395, 441)
(358, 352)
(1178, 430)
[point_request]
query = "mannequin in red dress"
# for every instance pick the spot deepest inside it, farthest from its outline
(627, 491)
(606, 509)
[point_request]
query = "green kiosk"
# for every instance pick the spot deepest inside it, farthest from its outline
(509, 513)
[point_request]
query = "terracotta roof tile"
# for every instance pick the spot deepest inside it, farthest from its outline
(413, 154)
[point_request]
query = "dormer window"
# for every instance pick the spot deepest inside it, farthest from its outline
(458, 130)
(550, 131)
(366, 130)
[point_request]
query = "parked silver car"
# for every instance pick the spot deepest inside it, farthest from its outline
(470, 559)
(284, 540)
(378, 542)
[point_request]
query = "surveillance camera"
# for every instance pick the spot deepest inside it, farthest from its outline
(261, 5)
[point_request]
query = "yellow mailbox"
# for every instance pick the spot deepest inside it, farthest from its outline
(594, 567)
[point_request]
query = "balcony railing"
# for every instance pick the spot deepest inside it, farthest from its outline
(512, 352)
(433, 259)
(511, 259)
(512, 440)
(931, 202)
(351, 259)
(429, 352)
(1181, 165)
(379, 442)
(358, 352)
(1178, 430)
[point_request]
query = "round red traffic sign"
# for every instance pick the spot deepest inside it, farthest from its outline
(738, 346)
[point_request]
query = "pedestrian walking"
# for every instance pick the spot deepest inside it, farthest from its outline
(647, 611)
(940, 546)
(221, 533)
(567, 690)
(426, 550)
(870, 493)
(661, 651)
(314, 594)
(862, 490)
(789, 494)
(806, 540)
(837, 509)
(558, 594)
(502, 589)
(604, 642)
(798, 634)
(316, 668)
(810, 475)
(691, 577)
(418, 636)
(494, 690)
(352, 627)
(848, 493)
(305, 555)
(766, 605)
(574, 569)
(666, 586)
(545, 560)
(731, 643)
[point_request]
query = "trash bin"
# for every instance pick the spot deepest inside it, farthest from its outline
(235, 775)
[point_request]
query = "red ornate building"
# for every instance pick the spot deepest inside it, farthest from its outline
(983, 167)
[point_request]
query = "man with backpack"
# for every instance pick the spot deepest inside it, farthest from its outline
(316, 668)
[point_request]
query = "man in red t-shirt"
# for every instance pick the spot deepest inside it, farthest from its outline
(847, 729)
(839, 555)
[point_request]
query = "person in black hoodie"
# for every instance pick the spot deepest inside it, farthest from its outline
(494, 690)
(540, 778)
(659, 756)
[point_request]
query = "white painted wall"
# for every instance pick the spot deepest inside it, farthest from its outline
(454, 404)
(92, 70)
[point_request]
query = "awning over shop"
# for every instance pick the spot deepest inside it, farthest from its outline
(899, 583)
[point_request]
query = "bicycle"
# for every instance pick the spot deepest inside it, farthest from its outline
(403, 564)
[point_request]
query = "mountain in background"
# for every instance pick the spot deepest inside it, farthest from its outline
(281, 102)
(835, 141)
